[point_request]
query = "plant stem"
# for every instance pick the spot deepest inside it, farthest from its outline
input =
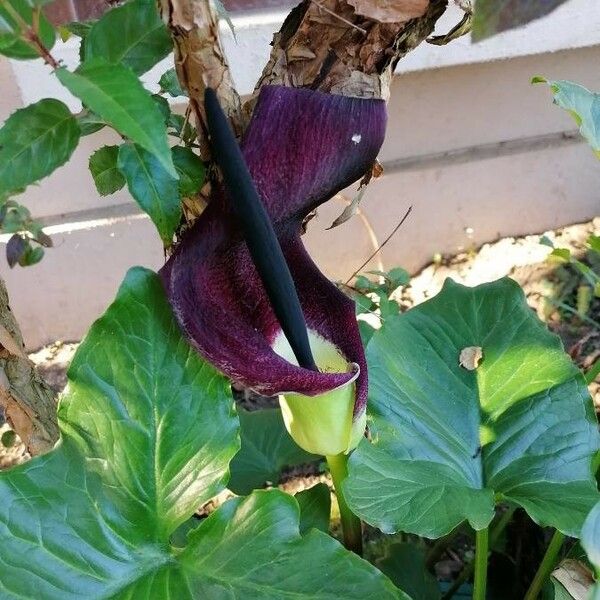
(548, 563)
(592, 372)
(351, 525)
(440, 546)
(467, 571)
(481, 560)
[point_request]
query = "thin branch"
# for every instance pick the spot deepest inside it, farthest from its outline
(387, 239)
(30, 33)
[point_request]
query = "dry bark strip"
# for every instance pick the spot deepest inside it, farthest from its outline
(28, 403)
(348, 47)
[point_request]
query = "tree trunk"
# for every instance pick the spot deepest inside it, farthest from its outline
(28, 403)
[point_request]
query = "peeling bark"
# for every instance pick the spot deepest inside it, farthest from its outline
(28, 403)
(200, 62)
(327, 45)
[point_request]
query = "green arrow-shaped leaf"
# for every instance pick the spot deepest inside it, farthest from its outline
(450, 439)
(132, 34)
(583, 105)
(114, 93)
(147, 433)
(35, 141)
(153, 189)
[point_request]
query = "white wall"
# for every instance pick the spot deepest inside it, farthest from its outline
(474, 148)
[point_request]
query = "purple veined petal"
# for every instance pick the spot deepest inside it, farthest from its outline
(301, 148)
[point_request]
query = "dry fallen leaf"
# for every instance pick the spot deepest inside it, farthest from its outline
(575, 577)
(390, 11)
(470, 357)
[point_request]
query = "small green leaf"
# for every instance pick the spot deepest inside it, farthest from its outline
(31, 256)
(89, 122)
(364, 284)
(115, 94)
(153, 189)
(493, 16)
(593, 243)
(315, 508)
(170, 84)
(11, 43)
(190, 169)
(35, 141)
(404, 564)
(163, 106)
(103, 167)
(266, 448)
(449, 441)
(546, 241)
(398, 276)
(560, 254)
(132, 34)
(80, 29)
(387, 307)
(583, 105)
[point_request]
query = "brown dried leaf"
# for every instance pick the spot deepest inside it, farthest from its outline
(470, 357)
(390, 11)
(575, 577)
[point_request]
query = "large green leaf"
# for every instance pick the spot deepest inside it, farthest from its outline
(103, 167)
(133, 34)
(315, 508)
(449, 441)
(153, 189)
(493, 16)
(590, 540)
(190, 169)
(583, 105)
(115, 94)
(11, 42)
(404, 564)
(148, 430)
(266, 448)
(251, 549)
(35, 141)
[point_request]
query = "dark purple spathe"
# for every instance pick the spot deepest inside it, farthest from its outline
(301, 147)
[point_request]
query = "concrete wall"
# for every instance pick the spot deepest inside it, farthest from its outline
(475, 149)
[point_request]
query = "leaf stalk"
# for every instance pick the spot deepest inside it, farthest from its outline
(546, 566)
(351, 524)
(481, 560)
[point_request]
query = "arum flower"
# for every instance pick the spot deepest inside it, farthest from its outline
(301, 147)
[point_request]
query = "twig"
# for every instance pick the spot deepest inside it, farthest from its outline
(30, 34)
(387, 239)
(339, 17)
